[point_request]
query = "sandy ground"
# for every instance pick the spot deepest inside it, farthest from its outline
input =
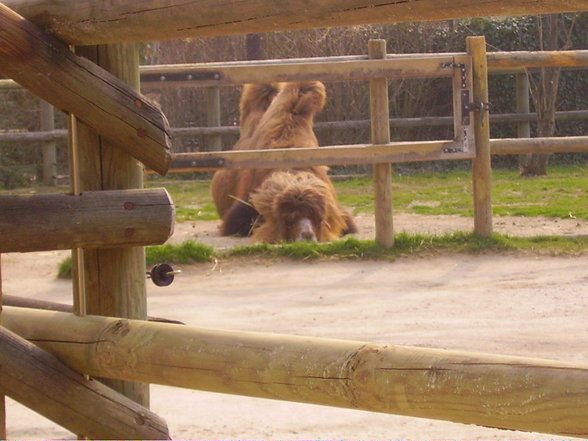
(507, 304)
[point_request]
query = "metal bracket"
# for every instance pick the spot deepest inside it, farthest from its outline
(462, 67)
(468, 106)
(194, 76)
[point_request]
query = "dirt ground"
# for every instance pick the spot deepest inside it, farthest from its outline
(507, 304)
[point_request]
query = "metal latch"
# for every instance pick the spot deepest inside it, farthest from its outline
(467, 106)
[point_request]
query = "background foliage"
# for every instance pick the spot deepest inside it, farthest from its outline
(185, 107)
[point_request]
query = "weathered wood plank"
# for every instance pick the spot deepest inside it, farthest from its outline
(85, 22)
(94, 219)
(46, 66)
(329, 155)
(41, 382)
(322, 69)
(490, 390)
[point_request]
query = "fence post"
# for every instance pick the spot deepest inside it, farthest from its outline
(213, 115)
(380, 129)
(481, 164)
(49, 155)
(112, 279)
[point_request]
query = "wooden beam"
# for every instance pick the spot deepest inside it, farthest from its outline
(518, 146)
(413, 151)
(473, 388)
(94, 219)
(380, 134)
(85, 22)
(41, 382)
(501, 62)
(481, 164)
(302, 69)
(46, 66)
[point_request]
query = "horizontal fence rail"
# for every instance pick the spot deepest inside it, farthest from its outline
(367, 153)
(427, 121)
(355, 67)
(491, 390)
(203, 74)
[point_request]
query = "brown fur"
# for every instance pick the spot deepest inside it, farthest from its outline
(286, 123)
(286, 198)
(255, 99)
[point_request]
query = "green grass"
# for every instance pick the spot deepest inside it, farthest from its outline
(562, 193)
(188, 252)
(191, 252)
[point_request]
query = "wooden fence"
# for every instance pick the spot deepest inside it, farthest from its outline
(121, 128)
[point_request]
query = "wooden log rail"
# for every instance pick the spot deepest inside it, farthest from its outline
(491, 390)
(498, 63)
(87, 22)
(46, 66)
(91, 220)
(345, 68)
(427, 121)
(41, 382)
(367, 153)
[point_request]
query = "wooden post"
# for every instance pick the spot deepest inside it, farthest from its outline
(113, 278)
(49, 154)
(379, 114)
(213, 109)
(481, 164)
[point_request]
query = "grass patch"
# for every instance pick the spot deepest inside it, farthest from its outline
(562, 193)
(414, 244)
(185, 253)
(190, 252)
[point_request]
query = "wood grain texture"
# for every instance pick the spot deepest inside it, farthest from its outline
(473, 388)
(41, 382)
(412, 151)
(85, 22)
(46, 67)
(108, 219)
(113, 279)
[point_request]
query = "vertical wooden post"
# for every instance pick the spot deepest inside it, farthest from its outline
(213, 109)
(49, 155)
(481, 164)
(113, 279)
(380, 129)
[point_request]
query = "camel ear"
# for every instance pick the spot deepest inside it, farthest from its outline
(239, 220)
